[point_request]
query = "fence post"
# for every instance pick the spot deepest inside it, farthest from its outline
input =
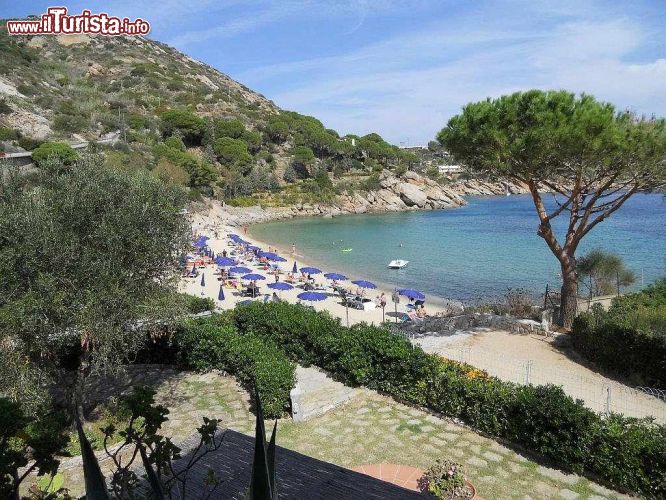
(608, 400)
(528, 370)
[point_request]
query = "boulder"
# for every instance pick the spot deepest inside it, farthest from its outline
(412, 195)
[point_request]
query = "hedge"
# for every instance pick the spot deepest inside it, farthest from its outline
(214, 343)
(627, 453)
(621, 350)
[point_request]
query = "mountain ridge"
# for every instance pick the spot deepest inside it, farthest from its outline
(191, 124)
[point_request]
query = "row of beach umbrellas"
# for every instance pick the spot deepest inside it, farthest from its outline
(201, 242)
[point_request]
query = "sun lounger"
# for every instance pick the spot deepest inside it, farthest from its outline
(411, 316)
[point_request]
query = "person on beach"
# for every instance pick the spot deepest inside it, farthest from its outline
(245, 229)
(275, 297)
(293, 249)
(382, 300)
(224, 253)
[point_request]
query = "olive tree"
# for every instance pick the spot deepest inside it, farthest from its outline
(87, 255)
(589, 156)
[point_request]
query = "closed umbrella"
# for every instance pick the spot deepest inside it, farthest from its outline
(295, 268)
(364, 284)
(220, 295)
(310, 270)
(203, 283)
(335, 276)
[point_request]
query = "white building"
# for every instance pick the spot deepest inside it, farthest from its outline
(449, 169)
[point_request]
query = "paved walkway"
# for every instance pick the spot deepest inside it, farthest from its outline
(405, 476)
(368, 429)
(316, 393)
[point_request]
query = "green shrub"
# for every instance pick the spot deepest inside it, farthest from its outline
(5, 108)
(69, 123)
(620, 349)
(187, 123)
(176, 143)
(229, 128)
(137, 122)
(9, 134)
(28, 143)
(242, 201)
(214, 343)
(58, 150)
(542, 419)
(644, 310)
(232, 151)
(196, 305)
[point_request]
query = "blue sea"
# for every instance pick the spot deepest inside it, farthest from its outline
(470, 253)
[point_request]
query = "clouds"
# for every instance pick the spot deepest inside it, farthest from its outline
(407, 85)
(403, 67)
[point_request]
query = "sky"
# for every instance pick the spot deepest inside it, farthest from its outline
(402, 68)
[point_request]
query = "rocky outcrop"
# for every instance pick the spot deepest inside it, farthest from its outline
(410, 191)
(445, 326)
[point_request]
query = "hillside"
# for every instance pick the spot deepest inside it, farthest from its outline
(160, 110)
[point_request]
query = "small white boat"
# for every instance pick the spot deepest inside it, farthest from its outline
(398, 264)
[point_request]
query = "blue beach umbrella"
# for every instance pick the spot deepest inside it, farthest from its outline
(412, 294)
(225, 261)
(364, 284)
(253, 277)
(201, 242)
(312, 296)
(235, 237)
(220, 295)
(335, 276)
(271, 256)
(310, 270)
(280, 286)
(295, 268)
(240, 270)
(254, 248)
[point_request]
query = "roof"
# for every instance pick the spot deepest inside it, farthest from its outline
(297, 476)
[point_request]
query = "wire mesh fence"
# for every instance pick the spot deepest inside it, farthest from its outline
(597, 393)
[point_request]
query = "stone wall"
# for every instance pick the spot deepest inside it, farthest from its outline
(445, 326)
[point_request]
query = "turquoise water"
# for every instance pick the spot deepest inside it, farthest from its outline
(472, 252)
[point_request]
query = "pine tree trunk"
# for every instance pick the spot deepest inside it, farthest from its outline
(569, 297)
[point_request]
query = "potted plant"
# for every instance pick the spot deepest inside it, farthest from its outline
(445, 479)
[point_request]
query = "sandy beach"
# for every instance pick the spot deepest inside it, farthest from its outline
(219, 241)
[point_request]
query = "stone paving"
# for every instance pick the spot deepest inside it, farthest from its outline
(369, 428)
(316, 393)
(374, 429)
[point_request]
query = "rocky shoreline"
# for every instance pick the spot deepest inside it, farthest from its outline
(411, 191)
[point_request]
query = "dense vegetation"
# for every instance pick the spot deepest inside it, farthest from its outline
(183, 120)
(630, 339)
(214, 343)
(626, 452)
